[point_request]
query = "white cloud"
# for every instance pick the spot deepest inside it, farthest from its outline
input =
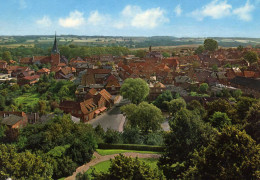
(215, 9)
(244, 12)
(96, 18)
(74, 20)
(44, 21)
(134, 16)
(178, 10)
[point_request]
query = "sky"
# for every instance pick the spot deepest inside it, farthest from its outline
(179, 18)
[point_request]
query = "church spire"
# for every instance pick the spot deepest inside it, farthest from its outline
(55, 46)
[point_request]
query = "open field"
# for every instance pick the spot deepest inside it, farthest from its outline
(27, 100)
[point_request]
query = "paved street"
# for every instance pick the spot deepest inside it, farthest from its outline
(112, 119)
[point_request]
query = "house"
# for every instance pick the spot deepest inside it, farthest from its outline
(5, 77)
(247, 85)
(112, 84)
(13, 119)
(156, 89)
(65, 73)
(43, 71)
(95, 76)
(28, 80)
(3, 64)
(85, 110)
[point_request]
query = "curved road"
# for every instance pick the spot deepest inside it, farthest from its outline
(99, 158)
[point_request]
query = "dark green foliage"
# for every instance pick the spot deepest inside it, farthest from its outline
(165, 54)
(252, 126)
(23, 165)
(161, 100)
(197, 108)
(132, 136)
(176, 105)
(82, 176)
(188, 133)
(113, 137)
(199, 50)
(210, 44)
(123, 167)
(219, 120)
(251, 57)
(131, 147)
(145, 116)
(136, 90)
(243, 105)
(204, 87)
(232, 154)
(155, 138)
(2, 103)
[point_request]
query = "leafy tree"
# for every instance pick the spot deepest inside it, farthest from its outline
(113, 137)
(23, 165)
(165, 54)
(7, 56)
(196, 107)
(154, 138)
(231, 155)
(237, 93)
(161, 100)
(136, 90)
(251, 57)
(140, 53)
(243, 105)
(215, 68)
(204, 87)
(252, 126)
(199, 50)
(176, 105)
(210, 44)
(2, 103)
(132, 136)
(240, 48)
(188, 133)
(220, 120)
(145, 116)
(123, 167)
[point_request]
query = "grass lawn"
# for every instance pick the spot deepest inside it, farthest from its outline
(104, 152)
(27, 99)
(104, 166)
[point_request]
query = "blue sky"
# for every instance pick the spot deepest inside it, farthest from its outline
(180, 18)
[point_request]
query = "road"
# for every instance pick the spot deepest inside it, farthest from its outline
(115, 120)
(112, 119)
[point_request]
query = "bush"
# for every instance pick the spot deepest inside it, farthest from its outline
(113, 137)
(132, 136)
(154, 139)
(131, 147)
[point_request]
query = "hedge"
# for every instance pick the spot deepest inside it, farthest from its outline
(137, 147)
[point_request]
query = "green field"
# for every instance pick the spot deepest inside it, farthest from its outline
(104, 166)
(104, 152)
(27, 100)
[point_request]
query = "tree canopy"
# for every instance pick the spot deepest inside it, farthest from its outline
(210, 44)
(251, 57)
(136, 90)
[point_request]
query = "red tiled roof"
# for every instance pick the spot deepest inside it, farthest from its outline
(31, 77)
(43, 70)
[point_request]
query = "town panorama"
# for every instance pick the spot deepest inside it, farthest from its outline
(118, 90)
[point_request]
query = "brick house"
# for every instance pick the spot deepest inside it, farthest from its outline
(28, 80)
(13, 119)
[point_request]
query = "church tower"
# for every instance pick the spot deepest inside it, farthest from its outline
(55, 53)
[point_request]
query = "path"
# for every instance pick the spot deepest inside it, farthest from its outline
(99, 158)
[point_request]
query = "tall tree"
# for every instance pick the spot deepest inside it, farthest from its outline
(251, 57)
(176, 105)
(232, 154)
(219, 120)
(145, 116)
(7, 56)
(210, 44)
(162, 99)
(136, 90)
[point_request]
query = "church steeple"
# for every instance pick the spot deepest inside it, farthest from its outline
(55, 49)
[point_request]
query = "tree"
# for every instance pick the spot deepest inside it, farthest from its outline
(240, 48)
(243, 105)
(7, 56)
(210, 44)
(145, 116)
(199, 50)
(23, 165)
(215, 68)
(165, 54)
(196, 107)
(188, 133)
(2, 103)
(219, 120)
(204, 87)
(252, 126)
(136, 90)
(123, 167)
(176, 105)
(232, 154)
(161, 100)
(140, 53)
(237, 93)
(251, 57)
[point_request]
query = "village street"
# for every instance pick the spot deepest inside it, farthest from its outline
(115, 120)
